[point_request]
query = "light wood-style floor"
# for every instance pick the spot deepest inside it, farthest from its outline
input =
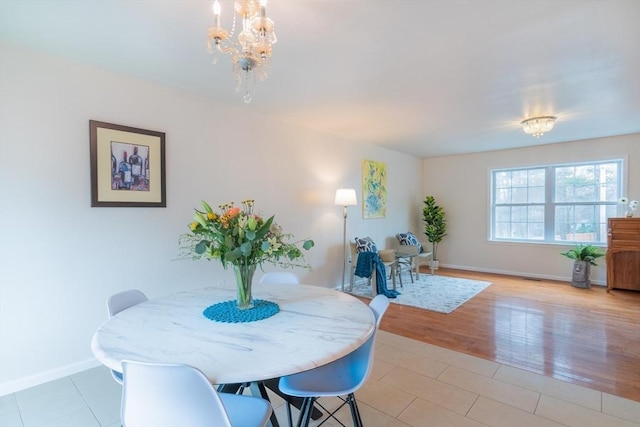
(582, 336)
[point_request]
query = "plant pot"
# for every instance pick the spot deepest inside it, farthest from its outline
(580, 275)
(434, 264)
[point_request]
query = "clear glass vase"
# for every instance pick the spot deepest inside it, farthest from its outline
(244, 281)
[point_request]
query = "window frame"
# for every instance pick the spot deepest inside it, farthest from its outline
(550, 203)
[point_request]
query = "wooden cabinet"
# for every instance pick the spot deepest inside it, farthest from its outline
(623, 254)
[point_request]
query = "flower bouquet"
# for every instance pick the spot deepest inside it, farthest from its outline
(241, 238)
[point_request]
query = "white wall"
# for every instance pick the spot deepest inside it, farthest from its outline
(60, 259)
(461, 185)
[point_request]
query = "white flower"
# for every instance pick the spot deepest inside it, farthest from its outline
(633, 205)
(623, 200)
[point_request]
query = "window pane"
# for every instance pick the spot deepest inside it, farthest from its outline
(519, 214)
(519, 178)
(564, 217)
(536, 194)
(519, 195)
(503, 195)
(536, 214)
(536, 177)
(519, 230)
(536, 231)
(503, 230)
(503, 214)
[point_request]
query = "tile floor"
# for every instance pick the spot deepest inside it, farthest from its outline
(412, 384)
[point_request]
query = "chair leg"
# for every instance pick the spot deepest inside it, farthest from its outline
(355, 412)
(305, 412)
(258, 389)
(352, 275)
(229, 388)
(289, 418)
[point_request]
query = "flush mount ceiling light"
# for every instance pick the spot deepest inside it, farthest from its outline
(251, 52)
(537, 126)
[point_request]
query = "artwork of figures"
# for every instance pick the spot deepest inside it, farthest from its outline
(129, 167)
(374, 189)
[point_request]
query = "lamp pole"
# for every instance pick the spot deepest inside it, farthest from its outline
(344, 246)
(345, 197)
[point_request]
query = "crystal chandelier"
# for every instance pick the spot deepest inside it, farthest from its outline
(251, 51)
(537, 126)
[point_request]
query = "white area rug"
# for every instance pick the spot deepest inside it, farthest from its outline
(437, 293)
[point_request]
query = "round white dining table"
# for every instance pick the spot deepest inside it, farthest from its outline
(313, 327)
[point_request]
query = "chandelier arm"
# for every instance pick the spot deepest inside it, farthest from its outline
(229, 49)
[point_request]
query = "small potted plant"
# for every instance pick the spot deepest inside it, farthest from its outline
(435, 227)
(584, 257)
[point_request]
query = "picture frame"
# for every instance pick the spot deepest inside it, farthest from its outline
(127, 166)
(374, 189)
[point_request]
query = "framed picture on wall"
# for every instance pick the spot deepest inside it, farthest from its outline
(127, 166)
(374, 189)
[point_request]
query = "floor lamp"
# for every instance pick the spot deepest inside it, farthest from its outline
(345, 197)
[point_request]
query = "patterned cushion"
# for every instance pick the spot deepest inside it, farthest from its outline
(409, 238)
(365, 245)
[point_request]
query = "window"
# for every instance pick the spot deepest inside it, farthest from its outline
(555, 204)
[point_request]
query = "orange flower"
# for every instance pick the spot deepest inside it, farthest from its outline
(234, 211)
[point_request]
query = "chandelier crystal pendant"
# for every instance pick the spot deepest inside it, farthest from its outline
(251, 51)
(537, 126)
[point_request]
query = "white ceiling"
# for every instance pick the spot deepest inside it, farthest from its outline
(428, 78)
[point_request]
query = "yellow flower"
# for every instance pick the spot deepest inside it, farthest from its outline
(193, 225)
(211, 216)
(274, 245)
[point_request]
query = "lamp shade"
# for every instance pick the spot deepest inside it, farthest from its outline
(346, 197)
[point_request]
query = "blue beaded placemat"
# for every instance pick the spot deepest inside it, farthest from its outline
(228, 312)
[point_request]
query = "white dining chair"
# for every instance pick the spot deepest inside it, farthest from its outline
(342, 377)
(121, 301)
(281, 277)
(170, 395)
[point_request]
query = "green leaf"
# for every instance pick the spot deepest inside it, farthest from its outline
(245, 249)
(588, 253)
(233, 255)
(262, 231)
(200, 219)
(207, 207)
(250, 235)
(202, 246)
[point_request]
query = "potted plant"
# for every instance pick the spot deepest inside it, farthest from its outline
(584, 257)
(435, 226)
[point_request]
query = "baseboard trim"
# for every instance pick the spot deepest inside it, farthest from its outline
(516, 273)
(46, 376)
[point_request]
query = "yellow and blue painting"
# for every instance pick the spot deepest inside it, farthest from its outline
(374, 189)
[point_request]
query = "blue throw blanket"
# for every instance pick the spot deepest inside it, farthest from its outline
(364, 268)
